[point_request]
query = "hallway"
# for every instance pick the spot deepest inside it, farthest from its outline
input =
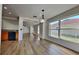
(39, 29)
(33, 47)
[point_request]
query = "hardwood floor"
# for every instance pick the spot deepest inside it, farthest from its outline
(34, 46)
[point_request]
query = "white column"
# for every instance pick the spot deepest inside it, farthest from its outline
(44, 30)
(38, 33)
(20, 28)
(0, 21)
(38, 30)
(31, 31)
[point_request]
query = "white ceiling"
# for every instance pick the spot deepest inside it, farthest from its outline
(30, 10)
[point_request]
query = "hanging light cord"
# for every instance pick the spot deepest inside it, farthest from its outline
(43, 14)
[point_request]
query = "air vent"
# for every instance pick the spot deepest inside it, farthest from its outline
(35, 16)
(10, 18)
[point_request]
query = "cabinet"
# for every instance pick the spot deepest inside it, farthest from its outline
(9, 36)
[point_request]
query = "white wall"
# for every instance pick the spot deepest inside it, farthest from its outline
(0, 21)
(9, 25)
(20, 28)
(31, 31)
(44, 30)
(25, 29)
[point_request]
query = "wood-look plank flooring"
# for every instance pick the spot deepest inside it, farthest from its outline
(33, 47)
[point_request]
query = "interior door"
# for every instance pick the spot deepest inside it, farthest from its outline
(12, 36)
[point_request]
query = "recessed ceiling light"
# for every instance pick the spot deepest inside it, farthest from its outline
(5, 7)
(9, 13)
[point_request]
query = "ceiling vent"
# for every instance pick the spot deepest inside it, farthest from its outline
(10, 18)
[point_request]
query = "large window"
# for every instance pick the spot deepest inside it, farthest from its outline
(53, 29)
(68, 29)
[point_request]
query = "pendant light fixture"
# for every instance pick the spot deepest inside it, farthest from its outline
(42, 16)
